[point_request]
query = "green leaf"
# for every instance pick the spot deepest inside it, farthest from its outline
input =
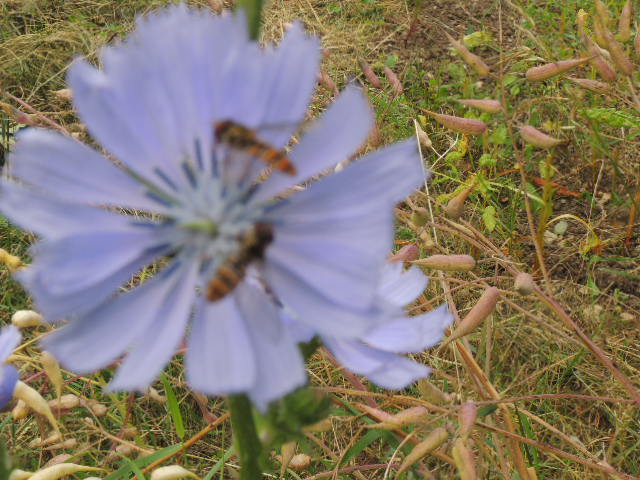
(613, 117)
(489, 217)
(476, 39)
(487, 160)
(125, 469)
(370, 437)
(499, 136)
(391, 61)
(174, 407)
(219, 464)
(453, 157)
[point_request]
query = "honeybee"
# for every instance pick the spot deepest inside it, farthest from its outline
(242, 138)
(252, 247)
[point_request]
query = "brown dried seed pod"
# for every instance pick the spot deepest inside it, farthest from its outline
(27, 318)
(423, 138)
(326, 82)
(65, 94)
(467, 418)
(598, 33)
(543, 72)
(593, 85)
(300, 461)
(172, 472)
(407, 253)
(468, 126)
(419, 216)
(369, 74)
(471, 59)
(485, 105)
(435, 438)
(433, 394)
(463, 458)
(64, 402)
(448, 263)
(598, 61)
(620, 59)
(535, 137)
(602, 13)
(410, 416)
(477, 314)
(52, 369)
(393, 80)
(624, 23)
(455, 207)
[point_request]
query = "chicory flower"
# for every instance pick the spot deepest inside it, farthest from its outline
(169, 193)
(377, 355)
(9, 340)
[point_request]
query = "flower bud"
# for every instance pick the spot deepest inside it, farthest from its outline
(448, 263)
(480, 311)
(524, 283)
(27, 318)
(542, 72)
(485, 105)
(474, 61)
(468, 126)
(369, 73)
(393, 80)
(407, 253)
(624, 23)
(535, 137)
(436, 438)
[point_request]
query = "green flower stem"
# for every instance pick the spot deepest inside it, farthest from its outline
(253, 10)
(245, 437)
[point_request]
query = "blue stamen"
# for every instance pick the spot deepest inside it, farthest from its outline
(163, 176)
(188, 172)
(158, 198)
(198, 151)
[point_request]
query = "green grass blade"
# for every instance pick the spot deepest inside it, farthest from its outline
(174, 408)
(126, 468)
